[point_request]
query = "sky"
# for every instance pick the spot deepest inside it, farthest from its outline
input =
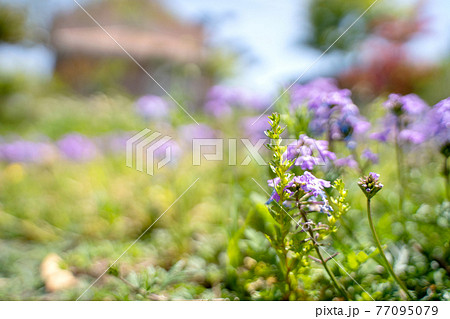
(267, 31)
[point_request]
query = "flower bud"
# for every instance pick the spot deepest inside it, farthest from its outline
(370, 185)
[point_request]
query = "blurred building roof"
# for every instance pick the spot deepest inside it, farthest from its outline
(142, 27)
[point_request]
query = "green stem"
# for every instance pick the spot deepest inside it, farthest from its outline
(324, 264)
(401, 181)
(330, 140)
(288, 279)
(388, 265)
(447, 177)
(284, 260)
(356, 158)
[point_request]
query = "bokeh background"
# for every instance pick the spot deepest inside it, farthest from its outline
(70, 97)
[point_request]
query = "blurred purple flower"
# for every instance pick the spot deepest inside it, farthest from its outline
(152, 107)
(170, 149)
(312, 90)
(25, 151)
(328, 100)
(254, 131)
(411, 136)
(405, 119)
(410, 104)
(333, 111)
(190, 131)
(221, 100)
(218, 108)
(370, 156)
(77, 147)
(439, 123)
(381, 136)
(348, 161)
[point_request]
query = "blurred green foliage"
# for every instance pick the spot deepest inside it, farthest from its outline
(12, 24)
(330, 19)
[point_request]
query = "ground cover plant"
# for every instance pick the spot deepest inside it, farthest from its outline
(353, 203)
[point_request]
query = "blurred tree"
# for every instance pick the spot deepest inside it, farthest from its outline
(375, 48)
(12, 30)
(384, 62)
(329, 19)
(12, 24)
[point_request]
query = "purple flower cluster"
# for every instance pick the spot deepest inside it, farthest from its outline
(254, 127)
(348, 161)
(191, 131)
(152, 107)
(221, 100)
(404, 120)
(77, 147)
(439, 125)
(170, 150)
(310, 187)
(311, 91)
(311, 184)
(25, 151)
(409, 104)
(333, 110)
(370, 156)
(308, 152)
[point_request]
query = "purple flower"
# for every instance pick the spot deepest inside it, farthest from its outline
(410, 104)
(220, 92)
(411, 136)
(333, 110)
(311, 91)
(438, 125)
(191, 131)
(307, 183)
(348, 161)
(303, 152)
(218, 108)
(152, 107)
(221, 100)
(169, 150)
(311, 184)
(406, 120)
(25, 151)
(381, 136)
(370, 156)
(331, 99)
(254, 127)
(273, 183)
(77, 147)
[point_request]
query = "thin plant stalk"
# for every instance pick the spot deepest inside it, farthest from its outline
(287, 269)
(284, 260)
(388, 265)
(400, 162)
(324, 264)
(447, 177)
